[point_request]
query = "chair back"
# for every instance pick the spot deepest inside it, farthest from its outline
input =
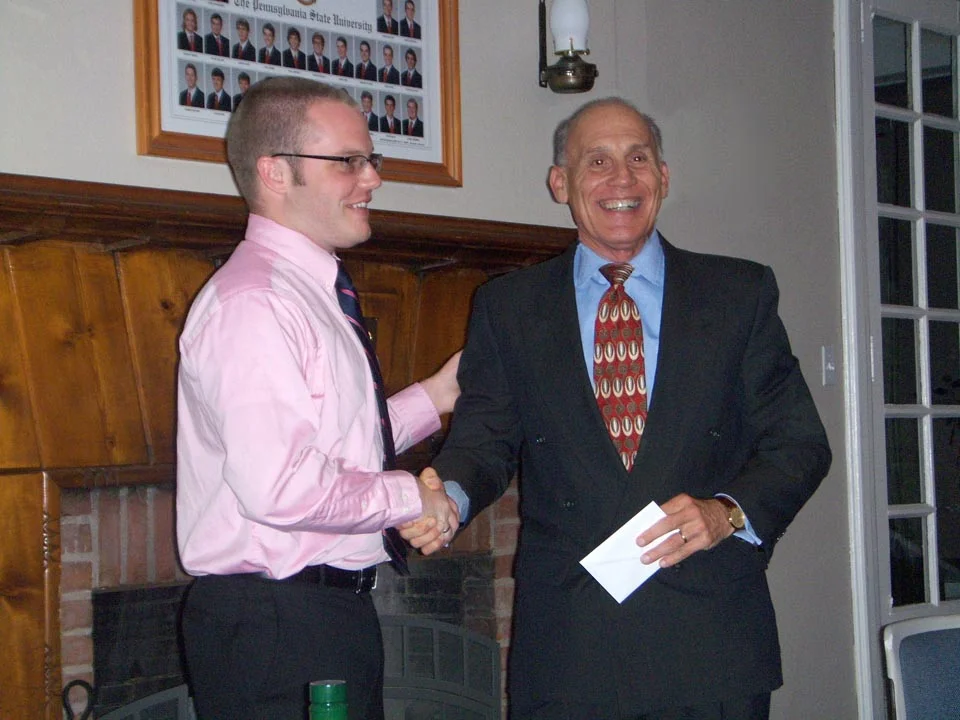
(923, 664)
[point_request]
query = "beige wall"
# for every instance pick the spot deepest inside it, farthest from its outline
(744, 92)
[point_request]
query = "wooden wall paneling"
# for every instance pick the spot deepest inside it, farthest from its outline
(78, 361)
(18, 439)
(388, 295)
(157, 287)
(446, 297)
(29, 597)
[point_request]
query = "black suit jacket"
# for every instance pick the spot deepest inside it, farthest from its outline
(415, 81)
(183, 42)
(249, 52)
(347, 68)
(196, 97)
(417, 128)
(389, 75)
(366, 73)
(225, 101)
(373, 122)
(301, 63)
(322, 66)
(405, 29)
(236, 100)
(272, 57)
(730, 413)
(384, 28)
(384, 127)
(210, 46)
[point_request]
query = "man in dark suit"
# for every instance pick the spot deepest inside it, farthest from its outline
(269, 55)
(732, 445)
(342, 66)
(388, 123)
(386, 23)
(219, 99)
(366, 106)
(243, 82)
(317, 61)
(413, 125)
(293, 56)
(409, 27)
(192, 96)
(388, 73)
(365, 70)
(243, 49)
(188, 38)
(411, 76)
(214, 42)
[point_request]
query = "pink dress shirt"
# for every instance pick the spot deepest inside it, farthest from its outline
(279, 451)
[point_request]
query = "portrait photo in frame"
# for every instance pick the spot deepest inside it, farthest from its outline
(398, 58)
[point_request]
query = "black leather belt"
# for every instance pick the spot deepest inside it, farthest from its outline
(360, 581)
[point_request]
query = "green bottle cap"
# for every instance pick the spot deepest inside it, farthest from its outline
(328, 691)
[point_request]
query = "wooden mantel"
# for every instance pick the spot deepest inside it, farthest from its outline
(95, 281)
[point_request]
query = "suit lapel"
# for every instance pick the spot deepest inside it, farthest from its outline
(567, 391)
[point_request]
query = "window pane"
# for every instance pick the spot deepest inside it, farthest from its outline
(891, 43)
(946, 458)
(893, 162)
(939, 153)
(938, 59)
(896, 262)
(942, 267)
(903, 461)
(908, 584)
(945, 363)
(899, 362)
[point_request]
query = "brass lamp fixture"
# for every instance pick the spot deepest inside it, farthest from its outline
(570, 23)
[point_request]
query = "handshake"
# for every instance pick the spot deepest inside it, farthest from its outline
(440, 520)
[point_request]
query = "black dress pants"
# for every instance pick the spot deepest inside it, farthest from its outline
(252, 647)
(755, 707)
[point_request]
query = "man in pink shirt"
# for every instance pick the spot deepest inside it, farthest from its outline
(284, 483)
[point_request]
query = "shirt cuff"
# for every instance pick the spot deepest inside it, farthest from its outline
(460, 498)
(747, 534)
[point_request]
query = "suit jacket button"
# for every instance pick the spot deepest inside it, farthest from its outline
(539, 439)
(569, 504)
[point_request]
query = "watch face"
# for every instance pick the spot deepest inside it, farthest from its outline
(737, 518)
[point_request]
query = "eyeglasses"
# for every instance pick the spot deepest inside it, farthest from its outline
(356, 163)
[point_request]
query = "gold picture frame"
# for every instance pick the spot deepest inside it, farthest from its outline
(153, 139)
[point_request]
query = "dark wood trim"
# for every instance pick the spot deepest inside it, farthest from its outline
(120, 216)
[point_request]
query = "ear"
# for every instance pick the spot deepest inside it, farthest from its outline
(558, 183)
(274, 174)
(664, 179)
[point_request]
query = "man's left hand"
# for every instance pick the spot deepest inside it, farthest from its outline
(701, 524)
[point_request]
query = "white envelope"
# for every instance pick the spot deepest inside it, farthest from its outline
(615, 562)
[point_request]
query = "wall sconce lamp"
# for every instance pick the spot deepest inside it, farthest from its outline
(570, 22)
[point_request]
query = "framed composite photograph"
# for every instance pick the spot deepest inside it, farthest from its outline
(399, 59)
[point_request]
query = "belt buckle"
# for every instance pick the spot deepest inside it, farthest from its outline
(362, 578)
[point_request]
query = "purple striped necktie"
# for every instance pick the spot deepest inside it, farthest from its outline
(350, 304)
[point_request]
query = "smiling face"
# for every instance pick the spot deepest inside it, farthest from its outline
(268, 37)
(318, 43)
(409, 11)
(329, 205)
(411, 60)
(190, 75)
(293, 40)
(412, 109)
(389, 106)
(244, 84)
(364, 52)
(341, 49)
(243, 32)
(388, 8)
(217, 82)
(613, 181)
(190, 21)
(216, 25)
(388, 56)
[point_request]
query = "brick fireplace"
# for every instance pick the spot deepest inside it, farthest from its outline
(94, 284)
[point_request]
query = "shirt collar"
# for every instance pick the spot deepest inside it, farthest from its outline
(295, 247)
(647, 264)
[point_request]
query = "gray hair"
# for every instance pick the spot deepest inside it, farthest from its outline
(562, 133)
(272, 119)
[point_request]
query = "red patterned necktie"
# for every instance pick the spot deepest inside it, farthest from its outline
(618, 364)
